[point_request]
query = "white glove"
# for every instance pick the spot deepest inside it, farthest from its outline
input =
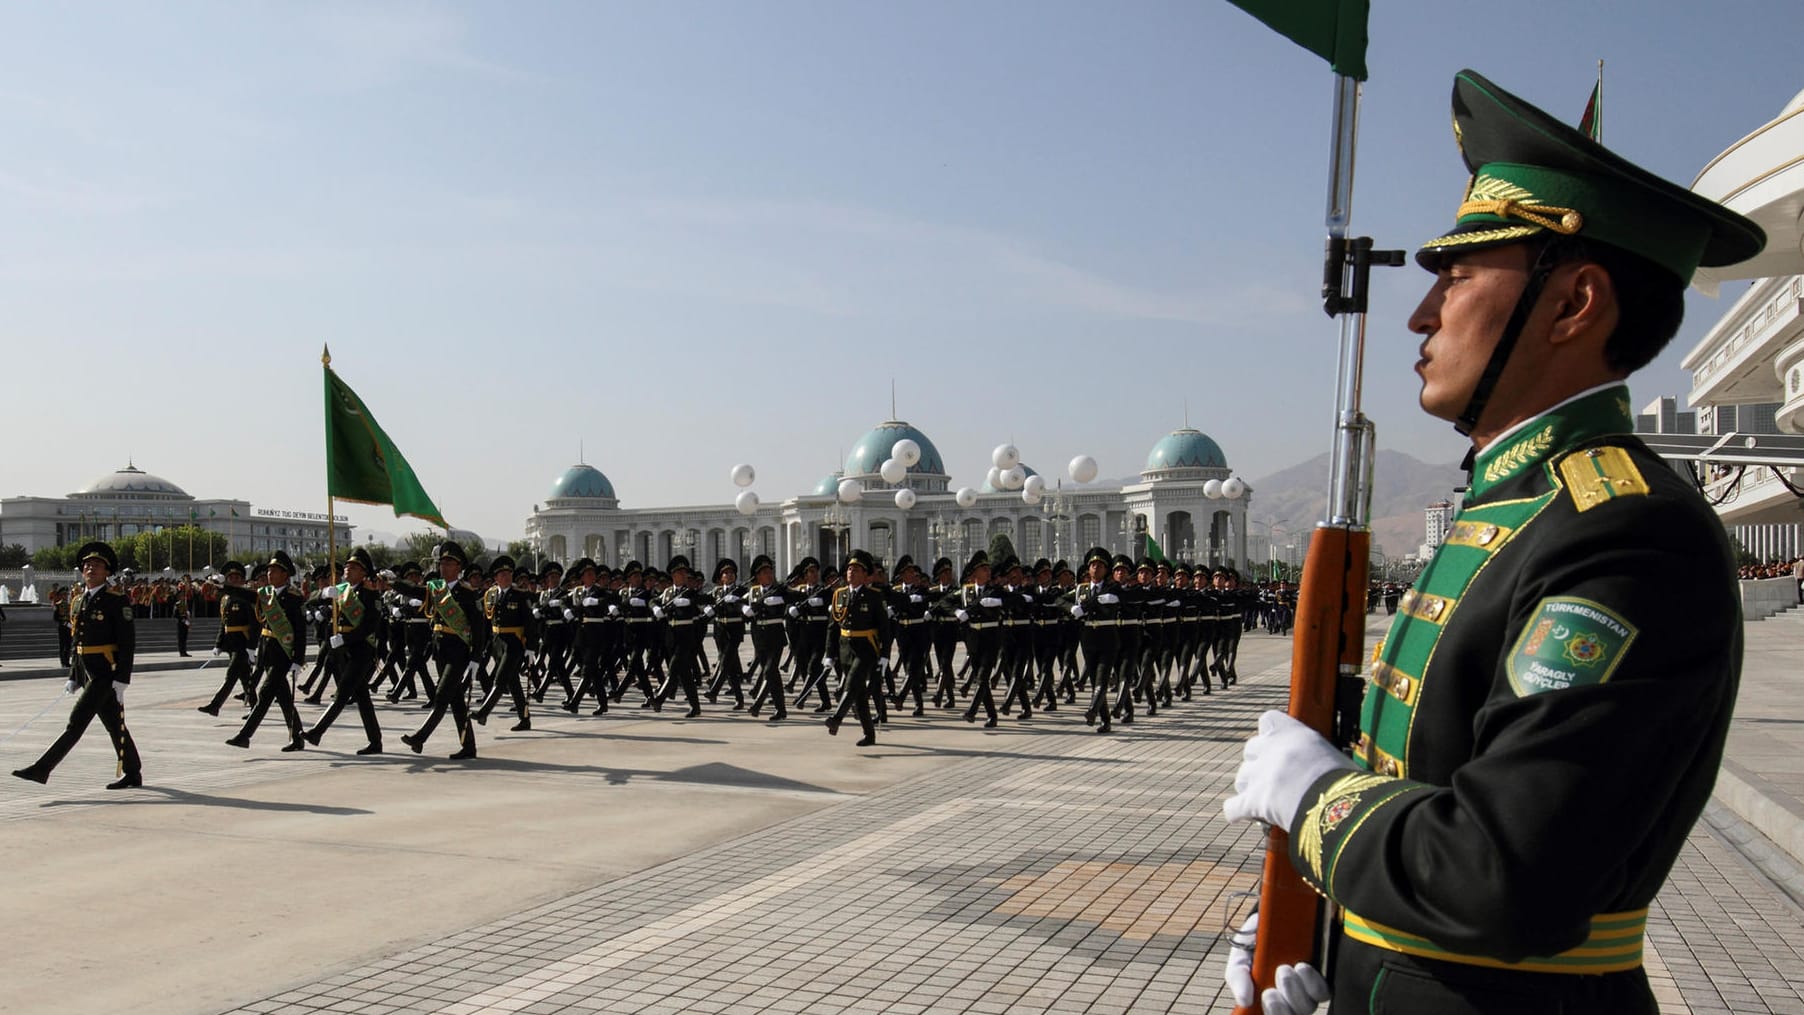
(217, 650)
(658, 612)
(747, 610)
(794, 612)
(415, 603)
(470, 670)
(773, 600)
(680, 601)
(386, 575)
(556, 602)
(329, 592)
(962, 616)
(729, 599)
(707, 611)
(916, 599)
(635, 602)
(1155, 602)
(119, 692)
(571, 614)
(71, 686)
(294, 670)
(1077, 610)
(816, 601)
(338, 641)
(1174, 604)
(1108, 599)
(217, 580)
(613, 609)
(990, 602)
(591, 601)
(394, 611)
(1298, 990)
(1280, 765)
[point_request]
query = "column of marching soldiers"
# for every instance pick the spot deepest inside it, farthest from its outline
(1118, 638)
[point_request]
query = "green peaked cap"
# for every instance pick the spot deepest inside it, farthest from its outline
(1532, 174)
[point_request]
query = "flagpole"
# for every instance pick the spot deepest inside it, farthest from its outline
(325, 359)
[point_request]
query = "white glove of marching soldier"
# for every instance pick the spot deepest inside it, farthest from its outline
(1077, 610)
(613, 609)
(329, 592)
(470, 670)
(747, 610)
(337, 641)
(1297, 989)
(680, 601)
(962, 616)
(571, 614)
(989, 602)
(658, 612)
(294, 670)
(591, 601)
(415, 603)
(707, 611)
(635, 602)
(1108, 598)
(815, 601)
(1279, 766)
(71, 686)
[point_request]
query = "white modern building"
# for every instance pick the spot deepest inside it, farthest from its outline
(1747, 372)
(129, 501)
(1438, 521)
(1180, 500)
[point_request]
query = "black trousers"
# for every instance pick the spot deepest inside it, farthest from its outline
(238, 670)
(272, 667)
(356, 660)
(766, 674)
(507, 678)
(858, 665)
(728, 636)
(980, 648)
(453, 657)
(1101, 645)
(99, 700)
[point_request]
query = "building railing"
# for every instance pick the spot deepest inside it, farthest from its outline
(1785, 300)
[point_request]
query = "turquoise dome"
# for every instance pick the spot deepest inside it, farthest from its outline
(581, 481)
(869, 453)
(829, 485)
(987, 488)
(1185, 449)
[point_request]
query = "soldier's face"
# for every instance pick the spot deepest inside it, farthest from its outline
(93, 571)
(729, 576)
(1461, 320)
(354, 573)
(1096, 570)
(449, 569)
(856, 575)
(504, 578)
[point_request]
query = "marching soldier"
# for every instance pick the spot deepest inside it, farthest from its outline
(589, 606)
(281, 650)
(944, 632)
(356, 618)
(509, 612)
(410, 597)
(858, 609)
(766, 606)
(1096, 603)
(680, 610)
(458, 627)
(103, 638)
(237, 634)
(908, 606)
(1127, 661)
(556, 628)
(729, 630)
(979, 611)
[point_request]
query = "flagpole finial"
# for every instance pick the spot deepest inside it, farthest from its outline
(325, 354)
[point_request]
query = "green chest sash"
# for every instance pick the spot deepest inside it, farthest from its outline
(274, 618)
(447, 612)
(350, 609)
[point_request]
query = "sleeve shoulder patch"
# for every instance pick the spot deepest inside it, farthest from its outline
(1568, 642)
(1597, 475)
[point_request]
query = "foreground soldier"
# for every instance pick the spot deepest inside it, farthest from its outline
(103, 639)
(509, 610)
(1545, 720)
(356, 618)
(859, 611)
(457, 627)
(281, 651)
(237, 634)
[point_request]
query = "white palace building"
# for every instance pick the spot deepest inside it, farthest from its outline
(1179, 500)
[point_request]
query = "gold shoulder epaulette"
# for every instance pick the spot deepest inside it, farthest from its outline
(1596, 475)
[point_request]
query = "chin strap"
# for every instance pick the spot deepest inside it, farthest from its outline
(1544, 264)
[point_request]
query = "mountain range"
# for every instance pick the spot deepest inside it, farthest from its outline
(1294, 499)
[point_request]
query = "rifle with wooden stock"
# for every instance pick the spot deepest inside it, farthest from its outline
(1329, 637)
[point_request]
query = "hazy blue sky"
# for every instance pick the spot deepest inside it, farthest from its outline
(692, 234)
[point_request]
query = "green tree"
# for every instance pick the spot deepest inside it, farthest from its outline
(521, 551)
(188, 549)
(1001, 548)
(14, 555)
(420, 546)
(49, 559)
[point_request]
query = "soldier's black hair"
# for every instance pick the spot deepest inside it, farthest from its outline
(1650, 300)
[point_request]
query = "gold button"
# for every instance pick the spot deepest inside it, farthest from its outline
(1486, 534)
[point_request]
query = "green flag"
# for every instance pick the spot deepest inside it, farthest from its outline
(1152, 551)
(362, 464)
(1334, 30)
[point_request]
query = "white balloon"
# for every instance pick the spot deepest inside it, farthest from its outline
(965, 497)
(1030, 496)
(747, 502)
(1212, 489)
(1013, 477)
(1233, 488)
(907, 452)
(993, 478)
(850, 490)
(905, 498)
(892, 471)
(1034, 484)
(1083, 468)
(743, 475)
(1006, 456)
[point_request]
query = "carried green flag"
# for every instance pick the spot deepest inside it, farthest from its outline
(362, 464)
(1334, 30)
(1152, 551)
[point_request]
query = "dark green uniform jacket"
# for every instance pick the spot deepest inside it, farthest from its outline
(1542, 726)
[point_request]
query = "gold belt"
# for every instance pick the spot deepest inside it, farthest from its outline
(238, 629)
(98, 650)
(1613, 945)
(518, 632)
(867, 633)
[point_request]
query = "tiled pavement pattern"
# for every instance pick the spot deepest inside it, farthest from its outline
(1071, 873)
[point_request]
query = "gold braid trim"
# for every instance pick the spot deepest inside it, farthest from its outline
(1564, 221)
(1320, 819)
(1519, 455)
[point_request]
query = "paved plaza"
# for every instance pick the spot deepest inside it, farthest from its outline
(639, 863)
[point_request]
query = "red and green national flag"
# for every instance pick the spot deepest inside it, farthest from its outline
(1334, 30)
(362, 464)
(1592, 123)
